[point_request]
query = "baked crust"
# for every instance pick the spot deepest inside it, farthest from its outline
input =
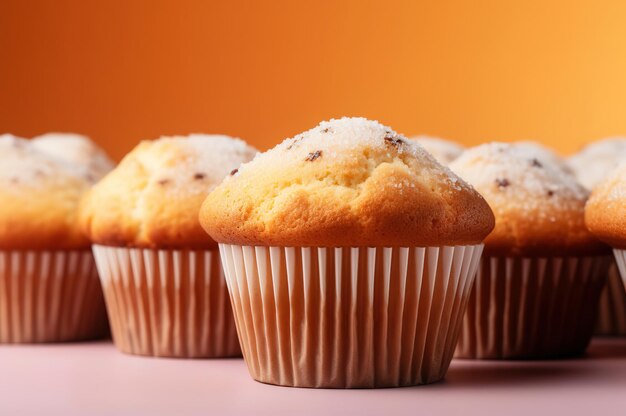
(40, 193)
(538, 205)
(605, 213)
(152, 198)
(346, 183)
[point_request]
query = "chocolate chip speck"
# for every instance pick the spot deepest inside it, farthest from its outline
(392, 140)
(502, 183)
(326, 130)
(232, 172)
(163, 181)
(199, 176)
(15, 180)
(550, 193)
(314, 155)
(534, 162)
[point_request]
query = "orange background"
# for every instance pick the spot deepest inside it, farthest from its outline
(121, 71)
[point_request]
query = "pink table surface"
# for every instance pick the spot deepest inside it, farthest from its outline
(95, 379)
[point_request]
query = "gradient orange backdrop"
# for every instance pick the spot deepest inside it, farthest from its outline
(121, 71)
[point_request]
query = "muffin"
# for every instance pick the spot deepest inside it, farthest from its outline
(591, 165)
(332, 242)
(161, 274)
(538, 285)
(605, 215)
(444, 151)
(49, 289)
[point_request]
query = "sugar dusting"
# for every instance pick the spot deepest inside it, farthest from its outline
(76, 149)
(521, 177)
(356, 141)
(445, 151)
(190, 164)
(597, 159)
(24, 165)
(612, 188)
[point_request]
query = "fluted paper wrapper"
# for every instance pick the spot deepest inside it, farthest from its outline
(532, 307)
(167, 303)
(612, 309)
(348, 317)
(50, 296)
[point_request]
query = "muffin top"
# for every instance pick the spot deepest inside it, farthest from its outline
(40, 190)
(548, 154)
(346, 183)
(77, 149)
(605, 213)
(152, 198)
(539, 207)
(444, 151)
(597, 159)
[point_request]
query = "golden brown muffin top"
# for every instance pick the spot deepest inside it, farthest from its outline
(346, 183)
(444, 151)
(605, 213)
(40, 190)
(539, 206)
(152, 198)
(593, 162)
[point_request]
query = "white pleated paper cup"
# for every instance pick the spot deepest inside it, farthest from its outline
(50, 296)
(167, 303)
(612, 309)
(532, 308)
(348, 317)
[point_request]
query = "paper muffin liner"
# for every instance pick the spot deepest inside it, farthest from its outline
(167, 303)
(612, 309)
(532, 307)
(348, 317)
(50, 296)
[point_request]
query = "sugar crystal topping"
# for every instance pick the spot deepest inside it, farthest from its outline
(597, 159)
(445, 151)
(520, 176)
(191, 164)
(350, 141)
(76, 149)
(23, 164)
